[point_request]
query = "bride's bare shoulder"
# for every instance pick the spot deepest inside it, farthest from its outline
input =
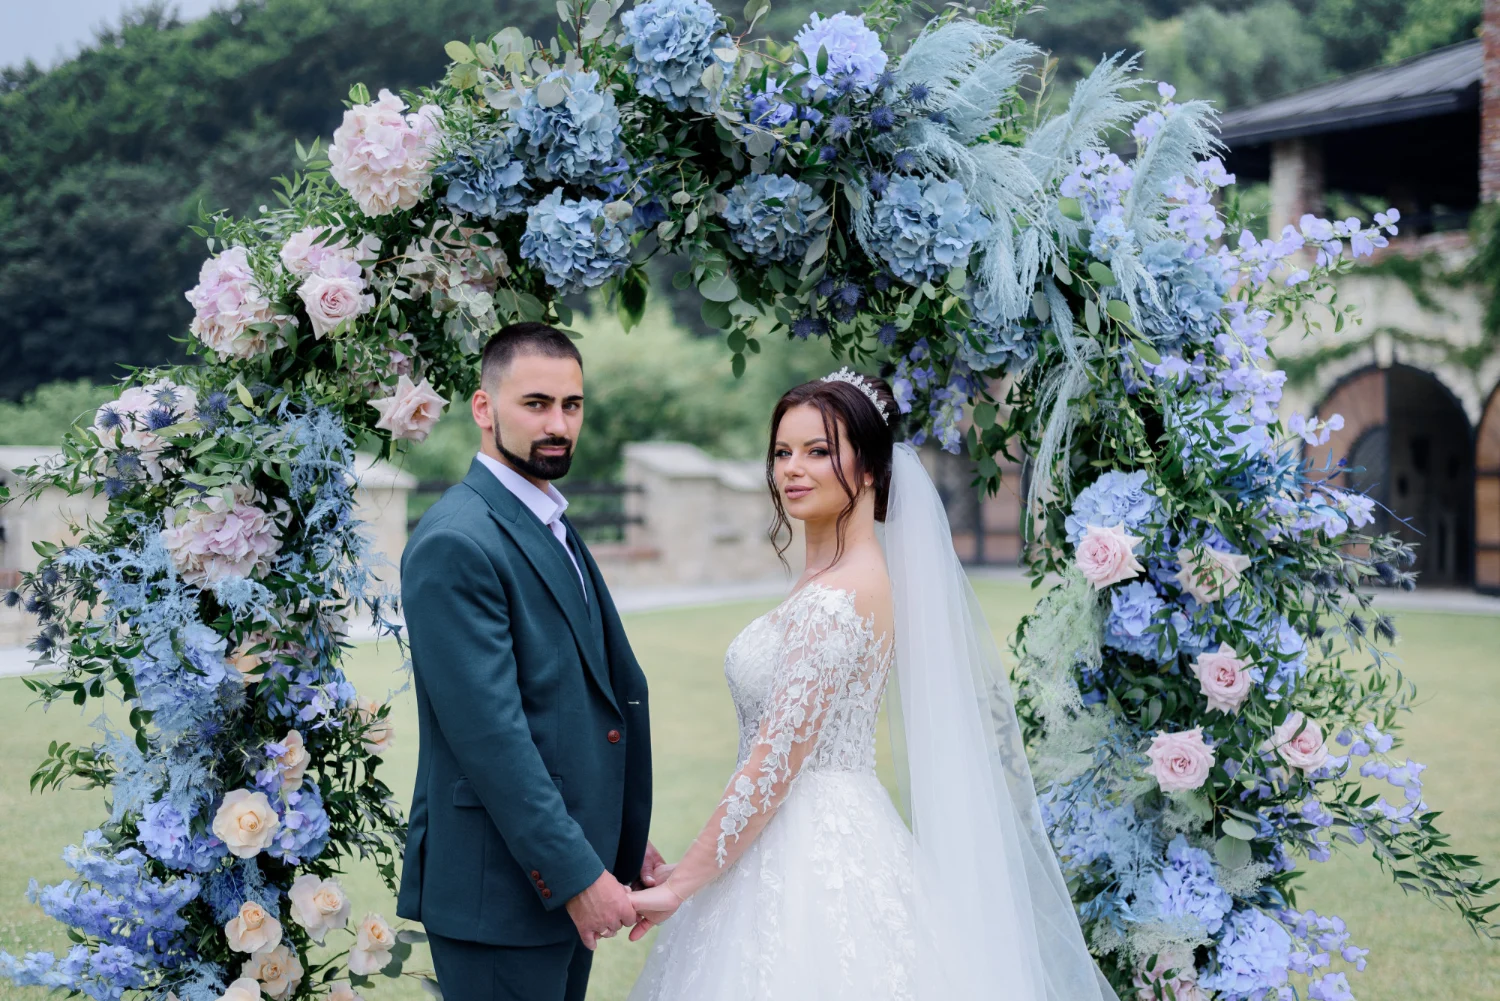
(865, 577)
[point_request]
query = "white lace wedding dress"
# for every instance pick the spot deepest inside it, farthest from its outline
(826, 903)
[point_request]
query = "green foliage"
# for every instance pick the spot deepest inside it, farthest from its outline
(1431, 23)
(47, 412)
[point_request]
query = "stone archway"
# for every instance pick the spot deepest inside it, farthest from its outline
(1409, 445)
(1487, 497)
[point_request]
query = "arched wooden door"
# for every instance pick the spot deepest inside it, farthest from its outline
(1487, 497)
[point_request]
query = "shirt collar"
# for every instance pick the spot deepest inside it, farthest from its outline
(548, 505)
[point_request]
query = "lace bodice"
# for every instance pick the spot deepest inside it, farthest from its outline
(807, 679)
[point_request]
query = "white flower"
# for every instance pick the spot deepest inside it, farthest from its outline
(253, 929)
(245, 822)
(411, 412)
(319, 905)
(381, 733)
(293, 761)
(343, 992)
(1208, 574)
(215, 537)
(228, 304)
(279, 971)
(371, 952)
(382, 157)
(244, 989)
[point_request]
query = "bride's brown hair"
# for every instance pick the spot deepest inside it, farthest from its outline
(868, 434)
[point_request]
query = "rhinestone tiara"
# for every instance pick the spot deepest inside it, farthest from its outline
(853, 378)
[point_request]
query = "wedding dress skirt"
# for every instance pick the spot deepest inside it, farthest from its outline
(826, 904)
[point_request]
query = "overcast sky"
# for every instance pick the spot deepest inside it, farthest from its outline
(49, 31)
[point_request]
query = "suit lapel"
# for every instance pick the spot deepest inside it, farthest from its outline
(551, 563)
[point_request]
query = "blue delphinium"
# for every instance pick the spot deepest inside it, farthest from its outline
(1185, 887)
(573, 251)
(1253, 955)
(924, 226)
(1191, 292)
(671, 44)
(485, 180)
(1134, 608)
(856, 58)
(1110, 236)
(577, 140)
(773, 217)
(1115, 498)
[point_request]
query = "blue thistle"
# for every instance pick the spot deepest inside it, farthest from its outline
(882, 282)
(879, 180)
(113, 487)
(885, 81)
(886, 335)
(160, 417)
(12, 598)
(213, 406)
(808, 326)
(166, 396)
(883, 118)
(843, 312)
(919, 93)
(850, 295)
(904, 161)
(825, 288)
(108, 419)
(839, 126)
(828, 154)
(938, 117)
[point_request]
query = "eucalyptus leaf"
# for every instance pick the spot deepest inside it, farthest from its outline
(1071, 208)
(551, 93)
(1119, 309)
(720, 288)
(1091, 315)
(1237, 829)
(1232, 853)
(460, 53)
(1101, 273)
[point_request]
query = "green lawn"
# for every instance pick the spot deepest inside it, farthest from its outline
(1419, 953)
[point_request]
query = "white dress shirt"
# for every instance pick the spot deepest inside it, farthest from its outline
(548, 505)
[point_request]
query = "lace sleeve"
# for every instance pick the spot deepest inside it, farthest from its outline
(819, 658)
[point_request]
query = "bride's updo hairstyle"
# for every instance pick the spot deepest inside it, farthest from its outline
(865, 431)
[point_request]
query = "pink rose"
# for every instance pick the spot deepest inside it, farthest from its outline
(1305, 750)
(1183, 982)
(411, 412)
(1224, 678)
(1180, 761)
(334, 293)
(1106, 555)
(1208, 574)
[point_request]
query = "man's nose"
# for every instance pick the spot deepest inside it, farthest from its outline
(557, 423)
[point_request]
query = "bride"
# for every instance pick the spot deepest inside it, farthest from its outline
(806, 883)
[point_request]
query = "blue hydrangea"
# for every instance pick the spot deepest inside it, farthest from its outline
(773, 217)
(165, 835)
(1253, 955)
(992, 343)
(485, 180)
(576, 141)
(1115, 498)
(1185, 887)
(855, 55)
(924, 226)
(182, 684)
(1191, 290)
(1134, 609)
(303, 834)
(672, 44)
(764, 106)
(573, 251)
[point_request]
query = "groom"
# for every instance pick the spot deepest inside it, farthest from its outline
(533, 792)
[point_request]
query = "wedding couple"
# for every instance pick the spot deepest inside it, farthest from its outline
(528, 838)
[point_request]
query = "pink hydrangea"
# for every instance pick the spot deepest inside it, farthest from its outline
(229, 307)
(384, 157)
(217, 537)
(126, 424)
(1180, 761)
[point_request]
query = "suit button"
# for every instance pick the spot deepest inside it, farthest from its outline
(541, 884)
(546, 894)
(613, 736)
(535, 874)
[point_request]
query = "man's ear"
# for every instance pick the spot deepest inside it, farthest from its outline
(479, 406)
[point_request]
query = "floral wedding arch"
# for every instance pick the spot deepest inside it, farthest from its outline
(1203, 691)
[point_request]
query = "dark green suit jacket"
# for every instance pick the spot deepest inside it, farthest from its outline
(534, 774)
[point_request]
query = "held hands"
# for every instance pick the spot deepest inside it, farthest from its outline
(601, 910)
(654, 870)
(653, 906)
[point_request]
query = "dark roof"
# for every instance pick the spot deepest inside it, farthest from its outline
(1440, 82)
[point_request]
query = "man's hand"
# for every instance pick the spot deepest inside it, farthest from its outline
(654, 869)
(601, 910)
(654, 906)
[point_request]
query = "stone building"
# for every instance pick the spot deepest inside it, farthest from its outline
(1416, 382)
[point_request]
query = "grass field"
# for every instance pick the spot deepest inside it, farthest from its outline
(1419, 952)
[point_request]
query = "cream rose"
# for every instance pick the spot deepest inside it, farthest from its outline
(410, 412)
(1180, 761)
(1224, 678)
(253, 929)
(372, 946)
(1106, 555)
(279, 971)
(343, 992)
(1208, 574)
(1305, 750)
(246, 822)
(319, 905)
(293, 761)
(243, 989)
(380, 734)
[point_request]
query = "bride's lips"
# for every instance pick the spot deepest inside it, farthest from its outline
(796, 493)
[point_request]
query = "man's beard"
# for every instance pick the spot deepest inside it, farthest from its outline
(541, 467)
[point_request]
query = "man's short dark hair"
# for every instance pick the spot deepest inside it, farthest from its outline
(530, 337)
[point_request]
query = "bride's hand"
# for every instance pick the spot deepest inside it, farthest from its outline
(653, 906)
